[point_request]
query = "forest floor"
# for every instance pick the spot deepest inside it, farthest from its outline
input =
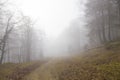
(102, 63)
(12, 71)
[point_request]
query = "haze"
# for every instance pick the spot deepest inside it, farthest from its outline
(53, 16)
(59, 39)
(43, 28)
(52, 19)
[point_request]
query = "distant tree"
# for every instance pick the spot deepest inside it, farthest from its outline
(102, 21)
(8, 29)
(73, 38)
(17, 37)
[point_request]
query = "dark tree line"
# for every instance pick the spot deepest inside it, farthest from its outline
(103, 20)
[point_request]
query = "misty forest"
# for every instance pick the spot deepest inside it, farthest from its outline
(59, 39)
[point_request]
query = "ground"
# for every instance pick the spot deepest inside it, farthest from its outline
(101, 63)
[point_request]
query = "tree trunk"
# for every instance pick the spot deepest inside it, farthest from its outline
(103, 27)
(3, 51)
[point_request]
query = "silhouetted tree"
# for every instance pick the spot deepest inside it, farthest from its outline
(102, 20)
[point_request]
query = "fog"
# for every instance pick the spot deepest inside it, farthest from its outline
(59, 19)
(38, 29)
(55, 28)
(53, 16)
(71, 41)
(59, 39)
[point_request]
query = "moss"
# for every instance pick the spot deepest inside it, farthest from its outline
(110, 71)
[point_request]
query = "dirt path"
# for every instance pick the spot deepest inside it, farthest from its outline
(19, 74)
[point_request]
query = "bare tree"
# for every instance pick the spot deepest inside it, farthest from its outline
(6, 34)
(103, 20)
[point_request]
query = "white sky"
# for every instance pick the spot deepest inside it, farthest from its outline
(52, 15)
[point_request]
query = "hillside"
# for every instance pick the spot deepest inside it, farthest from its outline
(102, 63)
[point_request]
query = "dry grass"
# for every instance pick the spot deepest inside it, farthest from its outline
(8, 68)
(96, 64)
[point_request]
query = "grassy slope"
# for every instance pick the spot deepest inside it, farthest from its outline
(96, 64)
(8, 68)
